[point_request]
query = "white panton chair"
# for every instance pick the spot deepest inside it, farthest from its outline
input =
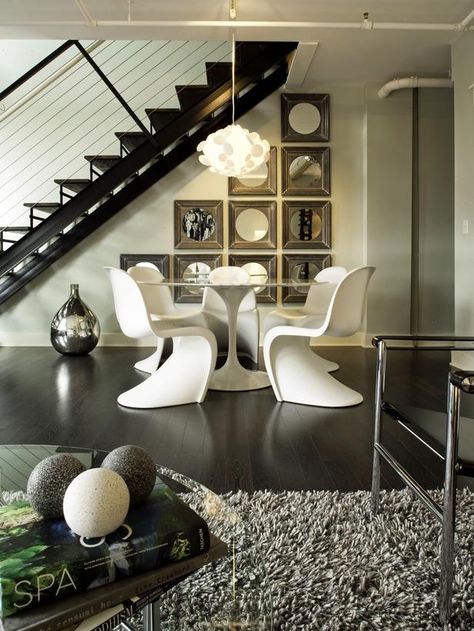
(215, 312)
(316, 304)
(296, 373)
(159, 301)
(184, 376)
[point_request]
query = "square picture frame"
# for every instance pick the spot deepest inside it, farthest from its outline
(204, 264)
(198, 224)
(268, 263)
(162, 261)
(251, 219)
(306, 171)
(305, 117)
(306, 224)
(301, 265)
(268, 186)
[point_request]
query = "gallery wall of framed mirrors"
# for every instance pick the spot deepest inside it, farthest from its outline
(284, 206)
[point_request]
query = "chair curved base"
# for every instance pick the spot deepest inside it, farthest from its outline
(329, 366)
(150, 364)
(182, 379)
(298, 375)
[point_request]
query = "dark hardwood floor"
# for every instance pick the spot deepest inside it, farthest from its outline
(243, 440)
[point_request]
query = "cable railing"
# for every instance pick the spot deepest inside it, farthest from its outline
(75, 109)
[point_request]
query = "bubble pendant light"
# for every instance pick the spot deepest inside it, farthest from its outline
(234, 151)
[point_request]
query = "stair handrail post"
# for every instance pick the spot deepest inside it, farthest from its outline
(116, 93)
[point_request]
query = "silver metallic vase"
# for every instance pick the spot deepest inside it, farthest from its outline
(75, 328)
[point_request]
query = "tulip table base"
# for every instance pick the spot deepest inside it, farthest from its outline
(233, 376)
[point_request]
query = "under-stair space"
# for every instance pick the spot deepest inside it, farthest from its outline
(101, 125)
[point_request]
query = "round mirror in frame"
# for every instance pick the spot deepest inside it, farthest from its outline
(304, 118)
(251, 225)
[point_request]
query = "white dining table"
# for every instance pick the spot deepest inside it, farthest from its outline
(232, 376)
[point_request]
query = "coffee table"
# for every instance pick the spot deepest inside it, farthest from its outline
(232, 593)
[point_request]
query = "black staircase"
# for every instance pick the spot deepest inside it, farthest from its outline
(145, 157)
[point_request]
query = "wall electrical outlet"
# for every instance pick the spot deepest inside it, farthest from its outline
(465, 226)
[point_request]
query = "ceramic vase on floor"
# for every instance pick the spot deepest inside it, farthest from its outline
(75, 328)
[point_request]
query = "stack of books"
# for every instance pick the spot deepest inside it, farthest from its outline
(50, 580)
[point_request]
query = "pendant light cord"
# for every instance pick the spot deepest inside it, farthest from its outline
(233, 76)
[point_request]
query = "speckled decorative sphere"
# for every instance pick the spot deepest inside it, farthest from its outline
(48, 482)
(96, 503)
(136, 467)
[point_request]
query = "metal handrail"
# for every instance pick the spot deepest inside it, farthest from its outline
(44, 84)
(39, 66)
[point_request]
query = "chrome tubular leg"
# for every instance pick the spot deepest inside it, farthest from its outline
(449, 505)
(151, 616)
(379, 389)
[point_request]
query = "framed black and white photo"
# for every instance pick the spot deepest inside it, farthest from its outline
(262, 182)
(188, 267)
(261, 268)
(252, 224)
(198, 224)
(306, 171)
(305, 117)
(301, 267)
(162, 261)
(306, 224)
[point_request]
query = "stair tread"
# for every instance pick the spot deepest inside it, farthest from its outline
(161, 117)
(218, 72)
(73, 181)
(165, 110)
(15, 228)
(91, 158)
(42, 205)
(136, 134)
(200, 86)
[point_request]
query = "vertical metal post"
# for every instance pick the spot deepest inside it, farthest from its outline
(449, 505)
(379, 389)
(151, 616)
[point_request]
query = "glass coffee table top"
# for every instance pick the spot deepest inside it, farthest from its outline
(230, 594)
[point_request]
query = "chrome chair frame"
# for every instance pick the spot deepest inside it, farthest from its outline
(446, 514)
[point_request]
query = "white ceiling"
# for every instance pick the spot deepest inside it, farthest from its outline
(397, 45)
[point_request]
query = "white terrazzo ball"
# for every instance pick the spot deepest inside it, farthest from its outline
(96, 503)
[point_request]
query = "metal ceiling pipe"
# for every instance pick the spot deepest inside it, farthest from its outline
(413, 82)
(367, 25)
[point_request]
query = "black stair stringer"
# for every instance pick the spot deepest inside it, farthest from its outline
(143, 158)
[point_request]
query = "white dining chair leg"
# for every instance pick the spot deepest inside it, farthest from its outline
(298, 375)
(183, 378)
(150, 364)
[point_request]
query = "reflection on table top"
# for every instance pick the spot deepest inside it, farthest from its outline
(18, 461)
(256, 281)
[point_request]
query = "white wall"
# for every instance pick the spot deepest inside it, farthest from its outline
(434, 302)
(17, 56)
(463, 75)
(146, 225)
(389, 194)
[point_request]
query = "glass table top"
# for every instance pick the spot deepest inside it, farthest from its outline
(232, 593)
(255, 281)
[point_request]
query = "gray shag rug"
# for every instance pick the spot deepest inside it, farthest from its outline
(331, 565)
